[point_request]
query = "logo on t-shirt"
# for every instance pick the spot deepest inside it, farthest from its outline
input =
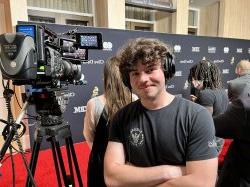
(136, 137)
(212, 143)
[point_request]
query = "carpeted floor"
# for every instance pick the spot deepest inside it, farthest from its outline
(45, 172)
(45, 175)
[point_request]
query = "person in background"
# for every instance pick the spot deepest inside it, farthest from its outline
(193, 90)
(100, 110)
(206, 78)
(242, 70)
(159, 140)
(235, 124)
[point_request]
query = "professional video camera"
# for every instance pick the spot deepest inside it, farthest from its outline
(37, 56)
(48, 62)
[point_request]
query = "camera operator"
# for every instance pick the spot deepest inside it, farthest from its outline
(235, 124)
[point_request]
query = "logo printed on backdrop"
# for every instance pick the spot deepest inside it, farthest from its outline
(211, 49)
(79, 109)
(93, 62)
(95, 92)
(232, 61)
(226, 50)
(107, 46)
(170, 86)
(219, 61)
(239, 50)
(196, 49)
(225, 71)
(186, 61)
(186, 85)
(84, 82)
(63, 101)
(88, 62)
(178, 74)
(70, 94)
(177, 48)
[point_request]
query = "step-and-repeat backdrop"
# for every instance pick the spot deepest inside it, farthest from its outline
(188, 50)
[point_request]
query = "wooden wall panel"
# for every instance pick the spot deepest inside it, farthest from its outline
(163, 22)
(180, 17)
(234, 19)
(5, 16)
(209, 20)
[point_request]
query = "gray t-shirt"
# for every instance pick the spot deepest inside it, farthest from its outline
(217, 99)
(182, 131)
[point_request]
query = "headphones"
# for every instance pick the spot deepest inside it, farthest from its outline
(168, 68)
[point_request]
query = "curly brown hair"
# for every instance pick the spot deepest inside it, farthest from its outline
(145, 50)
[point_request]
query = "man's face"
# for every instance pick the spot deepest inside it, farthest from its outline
(197, 84)
(148, 82)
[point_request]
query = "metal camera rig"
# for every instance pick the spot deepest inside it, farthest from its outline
(46, 62)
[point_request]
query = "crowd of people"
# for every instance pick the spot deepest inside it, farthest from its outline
(159, 139)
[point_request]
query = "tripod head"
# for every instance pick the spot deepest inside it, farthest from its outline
(50, 104)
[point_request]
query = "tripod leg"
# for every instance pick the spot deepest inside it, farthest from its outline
(70, 162)
(59, 154)
(33, 161)
(7, 142)
(69, 141)
(55, 161)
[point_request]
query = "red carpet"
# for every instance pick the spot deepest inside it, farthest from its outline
(45, 175)
(224, 151)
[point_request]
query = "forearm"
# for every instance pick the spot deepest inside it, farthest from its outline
(199, 174)
(127, 175)
(88, 138)
(188, 181)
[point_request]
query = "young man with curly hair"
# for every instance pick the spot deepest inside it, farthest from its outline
(159, 140)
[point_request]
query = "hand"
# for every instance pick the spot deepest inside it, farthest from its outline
(193, 98)
(174, 171)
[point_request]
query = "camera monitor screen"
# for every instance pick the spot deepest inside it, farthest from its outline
(89, 40)
(27, 29)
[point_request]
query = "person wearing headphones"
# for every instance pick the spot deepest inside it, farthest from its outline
(160, 139)
(235, 124)
(206, 78)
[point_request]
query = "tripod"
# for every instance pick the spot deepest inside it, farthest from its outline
(54, 128)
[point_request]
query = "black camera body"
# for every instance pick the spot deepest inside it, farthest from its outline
(39, 57)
